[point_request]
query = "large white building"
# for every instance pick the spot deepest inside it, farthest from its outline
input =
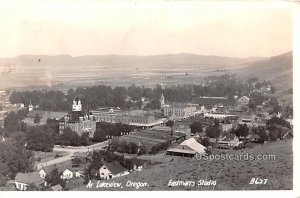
(179, 111)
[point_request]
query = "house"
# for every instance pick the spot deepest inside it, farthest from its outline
(83, 157)
(254, 137)
(188, 148)
(46, 170)
(79, 173)
(112, 170)
(209, 102)
(226, 127)
(57, 187)
(67, 174)
(243, 101)
(23, 180)
(230, 140)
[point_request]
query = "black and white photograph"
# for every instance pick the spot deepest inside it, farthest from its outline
(147, 95)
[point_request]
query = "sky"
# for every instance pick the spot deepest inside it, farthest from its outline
(101, 27)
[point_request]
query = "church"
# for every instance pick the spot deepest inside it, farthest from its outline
(78, 120)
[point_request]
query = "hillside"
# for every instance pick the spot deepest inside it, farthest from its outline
(155, 61)
(229, 174)
(277, 69)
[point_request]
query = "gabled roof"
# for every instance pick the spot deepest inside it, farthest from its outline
(50, 168)
(211, 101)
(194, 145)
(56, 187)
(228, 137)
(245, 97)
(114, 167)
(29, 178)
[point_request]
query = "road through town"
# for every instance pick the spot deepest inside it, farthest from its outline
(70, 152)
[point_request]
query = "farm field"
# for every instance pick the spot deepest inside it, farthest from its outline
(228, 174)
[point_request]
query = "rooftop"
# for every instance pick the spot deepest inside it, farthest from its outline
(114, 167)
(29, 178)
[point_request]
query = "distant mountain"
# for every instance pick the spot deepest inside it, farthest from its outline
(155, 61)
(277, 69)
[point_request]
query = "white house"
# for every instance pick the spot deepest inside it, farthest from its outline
(230, 140)
(23, 180)
(112, 169)
(243, 101)
(67, 174)
(79, 173)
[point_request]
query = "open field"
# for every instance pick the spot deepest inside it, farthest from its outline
(229, 174)
(63, 78)
(46, 156)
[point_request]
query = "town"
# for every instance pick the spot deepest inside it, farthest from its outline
(63, 140)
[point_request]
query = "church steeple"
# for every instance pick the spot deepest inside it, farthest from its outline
(162, 100)
(30, 107)
(77, 106)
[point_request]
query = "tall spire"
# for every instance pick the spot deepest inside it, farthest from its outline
(30, 107)
(162, 100)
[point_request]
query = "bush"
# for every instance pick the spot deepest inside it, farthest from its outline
(39, 159)
(273, 135)
(57, 155)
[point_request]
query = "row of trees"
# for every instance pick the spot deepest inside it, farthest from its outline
(71, 138)
(105, 130)
(124, 147)
(241, 131)
(102, 95)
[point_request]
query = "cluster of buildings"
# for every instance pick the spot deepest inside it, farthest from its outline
(108, 170)
(78, 120)
(138, 118)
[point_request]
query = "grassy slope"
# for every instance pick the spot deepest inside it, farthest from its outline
(234, 175)
(278, 70)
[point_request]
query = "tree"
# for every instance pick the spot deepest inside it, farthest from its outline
(141, 150)
(213, 131)
(68, 138)
(33, 187)
(18, 138)
(263, 136)
(132, 148)
(274, 135)
(55, 178)
(37, 118)
(242, 130)
(123, 148)
(12, 122)
(205, 141)
(16, 158)
(114, 144)
(154, 104)
(3, 174)
(84, 139)
(170, 123)
(39, 140)
(196, 127)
